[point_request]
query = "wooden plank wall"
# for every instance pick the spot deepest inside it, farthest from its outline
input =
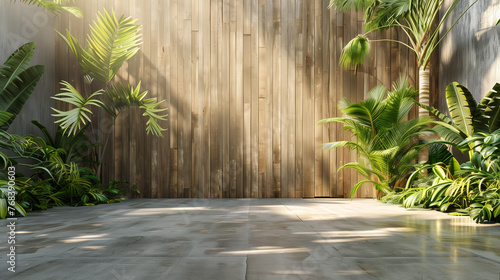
(244, 82)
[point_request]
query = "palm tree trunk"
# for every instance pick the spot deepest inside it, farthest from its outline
(423, 98)
(424, 89)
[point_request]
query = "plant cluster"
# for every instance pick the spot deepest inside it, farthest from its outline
(386, 143)
(56, 163)
(439, 181)
(472, 188)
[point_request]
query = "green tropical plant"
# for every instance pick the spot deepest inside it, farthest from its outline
(487, 206)
(89, 175)
(111, 42)
(17, 82)
(417, 20)
(445, 190)
(75, 146)
(73, 120)
(5, 193)
(472, 188)
(381, 136)
(55, 6)
(467, 117)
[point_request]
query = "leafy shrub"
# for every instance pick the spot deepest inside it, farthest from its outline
(472, 188)
(381, 137)
(89, 175)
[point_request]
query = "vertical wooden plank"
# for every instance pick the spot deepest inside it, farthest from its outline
(284, 92)
(299, 79)
(215, 116)
(263, 92)
(155, 59)
(225, 96)
(60, 61)
(174, 95)
(247, 88)
(195, 15)
(195, 101)
(349, 84)
(291, 117)
(164, 93)
(239, 101)
(325, 27)
(220, 93)
(318, 100)
(254, 99)
(233, 121)
(119, 124)
(143, 141)
(204, 95)
(110, 134)
(182, 51)
(133, 119)
(187, 101)
(267, 102)
(195, 112)
(308, 102)
(247, 91)
(354, 93)
(395, 58)
(339, 78)
(332, 101)
(360, 95)
(247, 18)
(277, 113)
(122, 128)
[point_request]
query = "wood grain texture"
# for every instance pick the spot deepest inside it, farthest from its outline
(245, 82)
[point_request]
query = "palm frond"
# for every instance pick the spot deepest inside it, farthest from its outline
(487, 115)
(346, 5)
(388, 13)
(333, 145)
(73, 120)
(55, 6)
(121, 97)
(362, 169)
(112, 41)
(355, 52)
(339, 119)
(399, 103)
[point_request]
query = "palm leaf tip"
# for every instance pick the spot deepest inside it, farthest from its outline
(354, 52)
(346, 5)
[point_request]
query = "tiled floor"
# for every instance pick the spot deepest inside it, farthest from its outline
(251, 239)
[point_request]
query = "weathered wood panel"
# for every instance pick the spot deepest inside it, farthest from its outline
(245, 82)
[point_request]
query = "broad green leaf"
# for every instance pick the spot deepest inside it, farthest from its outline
(17, 81)
(496, 211)
(4, 119)
(3, 208)
(439, 171)
(462, 107)
(20, 209)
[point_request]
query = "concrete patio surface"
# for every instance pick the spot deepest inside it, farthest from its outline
(251, 239)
